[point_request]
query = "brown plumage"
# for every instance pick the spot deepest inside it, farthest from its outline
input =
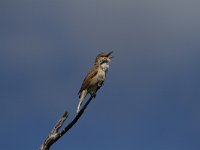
(91, 74)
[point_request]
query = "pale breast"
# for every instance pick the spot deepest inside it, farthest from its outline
(102, 71)
(101, 75)
(99, 78)
(105, 66)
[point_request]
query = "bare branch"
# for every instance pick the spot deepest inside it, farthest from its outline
(55, 134)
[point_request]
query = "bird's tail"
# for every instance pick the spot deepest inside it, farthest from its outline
(78, 108)
(82, 96)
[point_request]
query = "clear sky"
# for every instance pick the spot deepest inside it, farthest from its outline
(151, 99)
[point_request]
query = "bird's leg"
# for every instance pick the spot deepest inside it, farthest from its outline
(93, 94)
(100, 84)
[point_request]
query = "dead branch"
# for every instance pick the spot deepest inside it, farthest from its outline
(56, 134)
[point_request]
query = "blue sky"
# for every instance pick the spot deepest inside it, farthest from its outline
(150, 100)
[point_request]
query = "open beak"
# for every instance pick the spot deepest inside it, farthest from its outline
(109, 55)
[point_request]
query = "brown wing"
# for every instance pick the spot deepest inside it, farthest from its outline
(92, 72)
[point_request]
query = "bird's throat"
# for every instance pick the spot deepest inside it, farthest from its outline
(104, 66)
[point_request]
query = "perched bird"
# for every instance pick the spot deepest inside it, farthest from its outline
(95, 77)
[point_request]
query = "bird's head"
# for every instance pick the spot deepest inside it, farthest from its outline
(103, 58)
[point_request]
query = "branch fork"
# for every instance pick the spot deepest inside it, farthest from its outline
(56, 134)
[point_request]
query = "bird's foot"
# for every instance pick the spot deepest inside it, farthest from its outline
(100, 84)
(93, 95)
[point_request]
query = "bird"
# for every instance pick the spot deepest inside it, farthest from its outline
(95, 77)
